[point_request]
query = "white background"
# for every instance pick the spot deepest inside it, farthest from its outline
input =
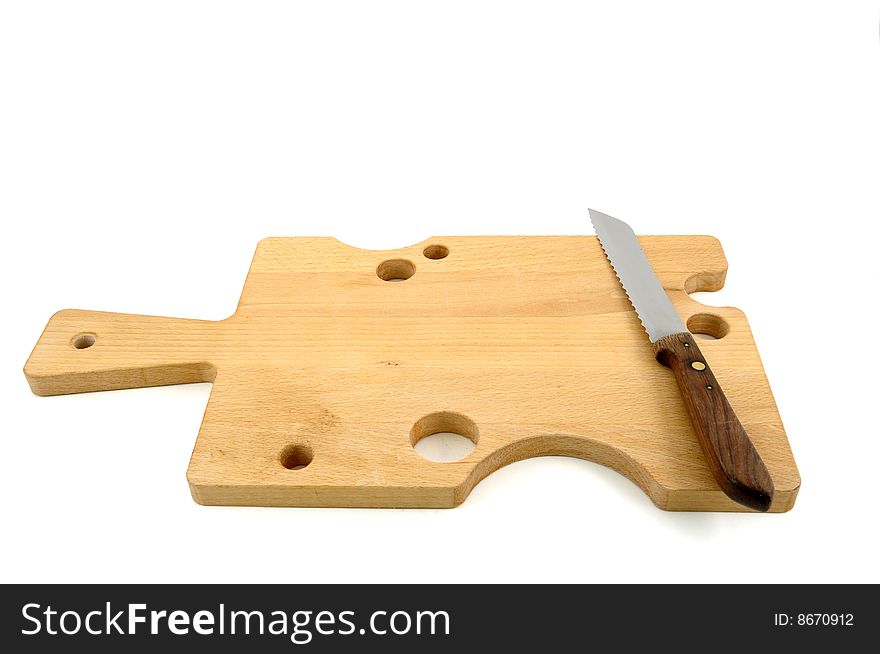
(145, 148)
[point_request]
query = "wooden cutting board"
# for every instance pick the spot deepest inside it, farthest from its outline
(328, 374)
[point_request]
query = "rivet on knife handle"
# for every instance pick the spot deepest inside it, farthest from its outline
(732, 458)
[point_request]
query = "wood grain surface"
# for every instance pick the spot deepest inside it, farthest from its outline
(328, 372)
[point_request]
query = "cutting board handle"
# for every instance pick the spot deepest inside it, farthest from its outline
(82, 351)
(730, 453)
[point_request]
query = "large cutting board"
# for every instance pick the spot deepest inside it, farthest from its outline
(527, 345)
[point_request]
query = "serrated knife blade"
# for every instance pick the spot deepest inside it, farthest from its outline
(733, 459)
(637, 277)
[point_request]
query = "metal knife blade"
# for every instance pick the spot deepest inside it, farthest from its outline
(732, 458)
(658, 316)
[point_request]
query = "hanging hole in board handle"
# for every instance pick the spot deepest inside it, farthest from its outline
(84, 340)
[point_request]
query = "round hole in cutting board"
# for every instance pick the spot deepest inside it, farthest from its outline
(436, 251)
(396, 270)
(296, 457)
(708, 326)
(444, 436)
(444, 447)
(83, 341)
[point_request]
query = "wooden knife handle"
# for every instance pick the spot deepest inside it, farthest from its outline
(733, 459)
